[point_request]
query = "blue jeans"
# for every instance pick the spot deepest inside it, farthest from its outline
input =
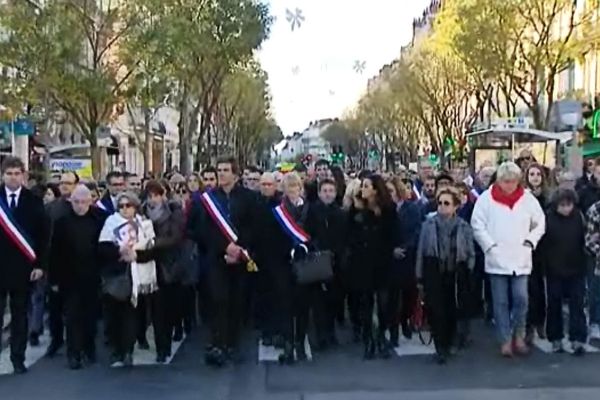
(35, 313)
(510, 322)
(593, 284)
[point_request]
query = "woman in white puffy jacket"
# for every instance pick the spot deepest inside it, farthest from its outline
(508, 222)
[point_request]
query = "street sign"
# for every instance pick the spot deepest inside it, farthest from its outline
(23, 127)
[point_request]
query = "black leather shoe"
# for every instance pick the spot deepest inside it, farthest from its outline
(215, 357)
(19, 368)
(301, 352)
(128, 360)
(161, 358)
(53, 348)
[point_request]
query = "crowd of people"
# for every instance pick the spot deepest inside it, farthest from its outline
(296, 255)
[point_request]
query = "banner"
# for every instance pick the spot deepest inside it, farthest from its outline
(83, 167)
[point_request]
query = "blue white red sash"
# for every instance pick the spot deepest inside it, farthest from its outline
(211, 205)
(474, 194)
(101, 205)
(15, 233)
(294, 231)
(416, 192)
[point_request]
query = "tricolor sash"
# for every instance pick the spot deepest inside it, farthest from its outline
(15, 233)
(473, 195)
(416, 192)
(293, 230)
(101, 205)
(211, 205)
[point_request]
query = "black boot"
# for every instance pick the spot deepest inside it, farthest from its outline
(215, 357)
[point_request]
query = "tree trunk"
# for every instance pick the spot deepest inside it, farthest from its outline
(147, 145)
(96, 155)
(184, 139)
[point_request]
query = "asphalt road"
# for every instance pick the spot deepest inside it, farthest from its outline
(474, 374)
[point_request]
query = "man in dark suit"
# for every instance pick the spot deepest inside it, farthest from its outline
(24, 213)
(115, 182)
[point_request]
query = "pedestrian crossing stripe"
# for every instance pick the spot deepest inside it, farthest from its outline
(148, 357)
(413, 347)
(271, 353)
(32, 355)
(546, 346)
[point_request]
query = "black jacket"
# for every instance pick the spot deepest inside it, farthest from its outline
(408, 228)
(15, 268)
(327, 226)
(168, 244)
(370, 244)
(240, 207)
(272, 245)
(588, 195)
(563, 246)
(74, 250)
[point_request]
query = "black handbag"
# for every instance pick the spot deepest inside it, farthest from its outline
(119, 286)
(313, 267)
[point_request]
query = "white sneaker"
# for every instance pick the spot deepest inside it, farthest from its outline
(595, 331)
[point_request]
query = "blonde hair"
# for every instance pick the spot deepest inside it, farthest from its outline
(290, 179)
(352, 191)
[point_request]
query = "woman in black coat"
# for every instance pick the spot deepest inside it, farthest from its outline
(371, 245)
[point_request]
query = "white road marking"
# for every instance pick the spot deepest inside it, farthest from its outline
(32, 355)
(271, 354)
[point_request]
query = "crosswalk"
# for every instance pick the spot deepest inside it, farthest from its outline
(546, 346)
(271, 353)
(148, 357)
(32, 355)
(413, 347)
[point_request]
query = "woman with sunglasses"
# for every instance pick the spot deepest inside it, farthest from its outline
(120, 233)
(445, 247)
(536, 182)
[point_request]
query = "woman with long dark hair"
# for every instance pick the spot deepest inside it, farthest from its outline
(340, 183)
(537, 183)
(372, 244)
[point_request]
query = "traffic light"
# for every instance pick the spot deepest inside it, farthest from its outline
(338, 155)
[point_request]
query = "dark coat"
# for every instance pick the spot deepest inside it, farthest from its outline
(272, 245)
(15, 269)
(588, 195)
(408, 228)
(168, 244)
(108, 206)
(240, 207)
(74, 249)
(370, 243)
(326, 225)
(562, 248)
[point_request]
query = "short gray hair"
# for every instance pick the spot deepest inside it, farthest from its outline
(81, 192)
(129, 195)
(508, 170)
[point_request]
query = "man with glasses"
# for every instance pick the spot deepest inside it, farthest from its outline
(58, 209)
(115, 184)
(252, 181)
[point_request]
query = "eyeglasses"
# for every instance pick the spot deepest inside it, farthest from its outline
(444, 203)
(135, 184)
(125, 205)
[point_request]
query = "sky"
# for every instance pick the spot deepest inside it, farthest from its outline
(311, 68)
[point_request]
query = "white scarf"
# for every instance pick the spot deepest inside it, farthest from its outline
(139, 234)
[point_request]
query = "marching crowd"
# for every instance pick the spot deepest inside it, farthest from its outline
(296, 255)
